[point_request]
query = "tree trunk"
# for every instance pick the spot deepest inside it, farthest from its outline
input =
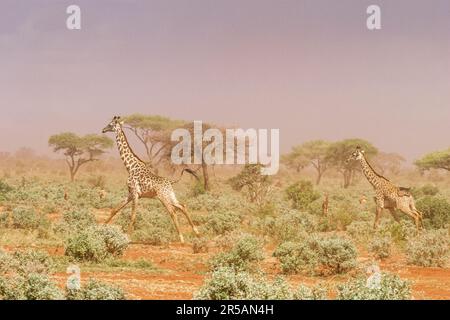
(347, 178)
(205, 176)
(72, 175)
(319, 176)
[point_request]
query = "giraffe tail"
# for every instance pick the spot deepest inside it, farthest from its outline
(181, 175)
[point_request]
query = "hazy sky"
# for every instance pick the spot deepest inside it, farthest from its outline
(309, 68)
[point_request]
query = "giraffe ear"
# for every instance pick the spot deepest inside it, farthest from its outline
(362, 151)
(122, 122)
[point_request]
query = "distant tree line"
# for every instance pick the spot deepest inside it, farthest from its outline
(154, 131)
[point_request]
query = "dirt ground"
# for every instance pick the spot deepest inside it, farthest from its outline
(180, 273)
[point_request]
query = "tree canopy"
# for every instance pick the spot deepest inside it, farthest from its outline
(435, 160)
(79, 149)
(312, 153)
(339, 152)
(153, 131)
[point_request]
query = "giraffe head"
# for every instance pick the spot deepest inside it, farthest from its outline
(115, 124)
(358, 154)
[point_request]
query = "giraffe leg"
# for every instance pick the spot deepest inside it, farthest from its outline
(133, 216)
(394, 214)
(379, 201)
(407, 206)
(173, 215)
(182, 208)
(118, 208)
(419, 214)
(377, 217)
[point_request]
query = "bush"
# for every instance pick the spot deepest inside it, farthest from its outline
(429, 249)
(32, 286)
(25, 218)
(153, 225)
(227, 284)
(243, 255)
(23, 275)
(426, 190)
(78, 219)
(360, 230)
(316, 255)
(220, 222)
(380, 247)
(398, 232)
(96, 243)
(25, 262)
(315, 293)
(296, 257)
(301, 194)
(391, 287)
(4, 189)
(436, 209)
(291, 225)
(96, 290)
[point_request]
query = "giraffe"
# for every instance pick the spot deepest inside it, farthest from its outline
(142, 183)
(387, 195)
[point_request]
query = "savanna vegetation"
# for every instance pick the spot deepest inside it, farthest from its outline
(304, 233)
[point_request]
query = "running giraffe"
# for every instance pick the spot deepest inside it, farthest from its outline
(387, 195)
(142, 183)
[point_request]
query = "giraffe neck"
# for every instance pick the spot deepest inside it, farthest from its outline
(129, 158)
(373, 178)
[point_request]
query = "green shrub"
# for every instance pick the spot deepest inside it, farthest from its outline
(329, 255)
(78, 219)
(96, 243)
(338, 255)
(225, 200)
(25, 262)
(290, 225)
(32, 286)
(318, 292)
(25, 218)
(4, 189)
(302, 194)
(227, 284)
(296, 257)
(426, 190)
(96, 290)
(398, 232)
(391, 287)
(221, 222)
(4, 219)
(436, 209)
(198, 189)
(243, 255)
(429, 249)
(153, 225)
(380, 247)
(32, 262)
(360, 231)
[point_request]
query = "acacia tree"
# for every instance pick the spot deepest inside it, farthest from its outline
(314, 153)
(79, 150)
(153, 132)
(435, 160)
(389, 162)
(199, 145)
(256, 185)
(339, 152)
(295, 159)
